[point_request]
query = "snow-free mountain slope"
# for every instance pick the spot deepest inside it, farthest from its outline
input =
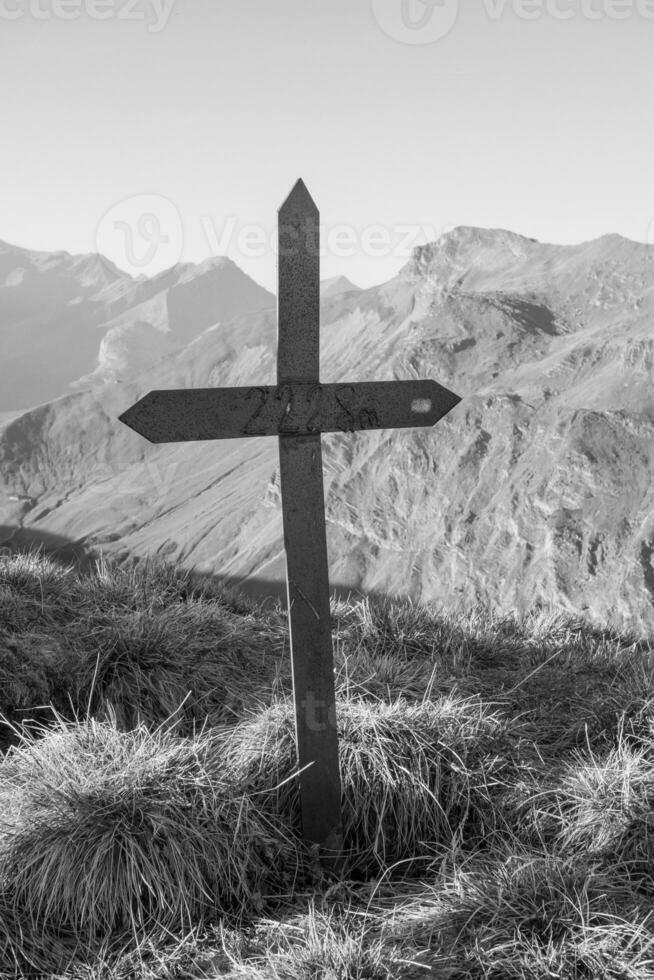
(536, 489)
(51, 305)
(78, 320)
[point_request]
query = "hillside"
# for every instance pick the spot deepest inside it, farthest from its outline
(537, 489)
(496, 789)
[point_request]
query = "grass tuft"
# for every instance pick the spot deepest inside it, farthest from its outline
(414, 776)
(106, 831)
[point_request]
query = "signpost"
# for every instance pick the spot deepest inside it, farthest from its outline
(297, 410)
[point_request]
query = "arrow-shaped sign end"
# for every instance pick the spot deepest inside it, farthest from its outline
(441, 402)
(298, 202)
(136, 416)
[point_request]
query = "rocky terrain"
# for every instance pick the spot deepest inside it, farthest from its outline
(535, 490)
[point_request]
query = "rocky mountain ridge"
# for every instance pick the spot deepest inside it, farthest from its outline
(76, 320)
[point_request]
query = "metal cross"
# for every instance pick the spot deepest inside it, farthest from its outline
(297, 410)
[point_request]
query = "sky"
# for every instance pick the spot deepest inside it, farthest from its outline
(158, 131)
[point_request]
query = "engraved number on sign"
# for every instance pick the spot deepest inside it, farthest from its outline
(344, 397)
(314, 397)
(252, 428)
(285, 395)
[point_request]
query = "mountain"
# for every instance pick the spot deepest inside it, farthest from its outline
(337, 285)
(77, 320)
(537, 489)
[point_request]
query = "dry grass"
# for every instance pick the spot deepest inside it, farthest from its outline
(498, 789)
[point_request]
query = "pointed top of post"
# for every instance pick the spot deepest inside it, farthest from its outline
(298, 202)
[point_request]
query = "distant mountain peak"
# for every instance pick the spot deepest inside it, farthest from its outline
(91, 264)
(479, 258)
(475, 235)
(95, 266)
(467, 237)
(214, 263)
(336, 285)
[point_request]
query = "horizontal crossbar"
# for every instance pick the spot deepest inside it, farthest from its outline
(300, 408)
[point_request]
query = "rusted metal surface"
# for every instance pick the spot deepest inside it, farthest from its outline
(298, 408)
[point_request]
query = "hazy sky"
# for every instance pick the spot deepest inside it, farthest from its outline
(173, 129)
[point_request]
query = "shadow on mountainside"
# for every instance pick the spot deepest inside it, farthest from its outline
(144, 657)
(83, 554)
(20, 539)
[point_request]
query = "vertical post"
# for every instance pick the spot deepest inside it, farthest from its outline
(305, 540)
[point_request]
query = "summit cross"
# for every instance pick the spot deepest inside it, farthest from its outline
(297, 410)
